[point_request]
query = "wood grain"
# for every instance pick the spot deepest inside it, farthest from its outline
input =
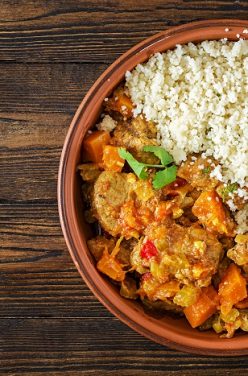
(47, 88)
(87, 31)
(68, 345)
(51, 52)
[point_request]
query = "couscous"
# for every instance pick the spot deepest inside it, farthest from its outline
(165, 185)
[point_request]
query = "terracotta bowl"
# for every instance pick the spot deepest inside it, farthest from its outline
(175, 333)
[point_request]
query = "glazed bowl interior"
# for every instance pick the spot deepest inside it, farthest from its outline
(167, 330)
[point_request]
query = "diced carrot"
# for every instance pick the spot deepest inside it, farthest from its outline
(156, 290)
(111, 267)
(121, 103)
(205, 306)
(124, 105)
(111, 159)
(211, 212)
(232, 288)
(93, 145)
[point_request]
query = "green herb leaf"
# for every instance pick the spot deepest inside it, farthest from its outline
(230, 188)
(161, 178)
(161, 153)
(136, 166)
(164, 177)
(206, 170)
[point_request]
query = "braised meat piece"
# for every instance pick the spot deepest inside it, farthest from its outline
(189, 254)
(134, 136)
(239, 253)
(89, 172)
(110, 193)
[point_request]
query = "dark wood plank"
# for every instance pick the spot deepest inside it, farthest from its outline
(51, 52)
(48, 345)
(49, 88)
(30, 152)
(48, 293)
(34, 123)
(80, 31)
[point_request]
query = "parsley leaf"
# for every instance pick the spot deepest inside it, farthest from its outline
(164, 177)
(137, 167)
(230, 188)
(206, 170)
(160, 152)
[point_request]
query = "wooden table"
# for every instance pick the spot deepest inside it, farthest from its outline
(51, 52)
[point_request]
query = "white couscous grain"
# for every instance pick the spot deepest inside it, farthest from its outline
(197, 96)
(107, 124)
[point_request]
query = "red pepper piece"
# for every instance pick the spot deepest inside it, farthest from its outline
(148, 250)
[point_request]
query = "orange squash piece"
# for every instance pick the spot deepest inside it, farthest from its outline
(232, 288)
(111, 159)
(211, 212)
(93, 145)
(205, 306)
(111, 267)
(121, 103)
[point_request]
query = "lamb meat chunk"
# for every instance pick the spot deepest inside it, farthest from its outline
(134, 136)
(89, 171)
(110, 193)
(191, 254)
(239, 253)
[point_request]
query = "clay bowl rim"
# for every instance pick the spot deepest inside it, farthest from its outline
(73, 233)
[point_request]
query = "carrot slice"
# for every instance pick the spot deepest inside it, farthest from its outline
(211, 212)
(111, 267)
(121, 103)
(111, 159)
(93, 145)
(205, 306)
(232, 288)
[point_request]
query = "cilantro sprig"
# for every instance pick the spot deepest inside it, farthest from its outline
(161, 153)
(165, 176)
(138, 167)
(206, 170)
(229, 189)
